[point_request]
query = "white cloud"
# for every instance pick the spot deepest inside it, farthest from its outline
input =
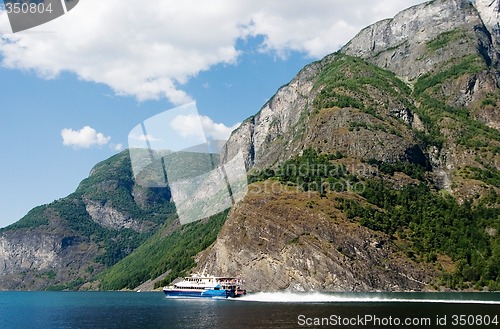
(317, 27)
(144, 138)
(83, 138)
(217, 131)
(150, 50)
(116, 147)
(189, 126)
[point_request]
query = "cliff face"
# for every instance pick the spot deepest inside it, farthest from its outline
(37, 259)
(290, 121)
(282, 240)
(457, 27)
(490, 14)
(281, 114)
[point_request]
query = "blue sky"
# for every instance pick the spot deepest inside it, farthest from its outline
(109, 69)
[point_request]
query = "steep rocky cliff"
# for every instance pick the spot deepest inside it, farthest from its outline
(433, 37)
(281, 239)
(425, 37)
(294, 118)
(490, 14)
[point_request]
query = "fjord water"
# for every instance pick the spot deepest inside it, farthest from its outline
(85, 310)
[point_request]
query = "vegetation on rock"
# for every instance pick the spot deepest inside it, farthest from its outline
(424, 223)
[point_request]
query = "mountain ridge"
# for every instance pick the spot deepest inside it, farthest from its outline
(63, 244)
(438, 87)
(289, 104)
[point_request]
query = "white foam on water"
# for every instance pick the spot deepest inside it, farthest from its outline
(316, 297)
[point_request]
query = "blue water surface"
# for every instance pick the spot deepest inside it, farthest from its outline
(85, 310)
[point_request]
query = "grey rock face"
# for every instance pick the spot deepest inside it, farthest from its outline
(276, 117)
(490, 14)
(401, 44)
(31, 260)
(34, 252)
(276, 246)
(289, 123)
(107, 216)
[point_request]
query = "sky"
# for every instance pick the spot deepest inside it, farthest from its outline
(72, 89)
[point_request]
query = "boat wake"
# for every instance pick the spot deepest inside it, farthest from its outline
(289, 297)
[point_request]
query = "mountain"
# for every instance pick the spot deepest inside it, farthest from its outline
(405, 119)
(66, 243)
(110, 234)
(450, 61)
(375, 168)
(432, 91)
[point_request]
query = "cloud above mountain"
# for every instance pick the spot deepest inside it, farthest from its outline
(189, 125)
(85, 138)
(150, 50)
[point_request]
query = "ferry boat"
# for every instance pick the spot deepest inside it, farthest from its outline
(206, 286)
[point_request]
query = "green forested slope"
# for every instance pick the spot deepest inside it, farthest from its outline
(171, 250)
